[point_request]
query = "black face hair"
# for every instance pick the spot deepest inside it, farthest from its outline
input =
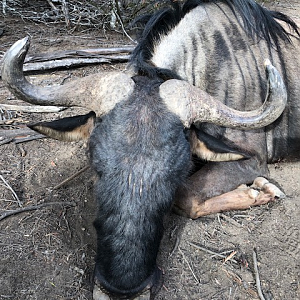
(141, 155)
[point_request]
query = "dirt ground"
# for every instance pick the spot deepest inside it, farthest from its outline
(48, 253)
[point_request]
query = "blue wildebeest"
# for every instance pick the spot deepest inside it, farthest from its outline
(198, 89)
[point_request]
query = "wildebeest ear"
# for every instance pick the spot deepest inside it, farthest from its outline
(68, 129)
(209, 148)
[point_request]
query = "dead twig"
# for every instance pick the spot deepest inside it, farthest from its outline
(207, 250)
(18, 136)
(4, 7)
(256, 273)
(233, 276)
(176, 246)
(72, 63)
(11, 189)
(230, 256)
(81, 53)
(52, 5)
(65, 11)
(197, 280)
(29, 138)
(32, 108)
(118, 15)
(226, 258)
(230, 220)
(76, 58)
(15, 133)
(71, 178)
(33, 207)
(4, 141)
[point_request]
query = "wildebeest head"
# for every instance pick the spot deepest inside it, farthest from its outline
(141, 152)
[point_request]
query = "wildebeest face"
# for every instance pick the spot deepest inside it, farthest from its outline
(141, 154)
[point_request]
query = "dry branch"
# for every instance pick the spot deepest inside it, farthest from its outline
(256, 273)
(65, 11)
(71, 178)
(87, 53)
(18, 135)
(28, 138)
(75, 58)
(190, 267)
(33, 207)
(52, 5)
(221, 255)
(71, 63)
(4, 7)
(32, 108)
(11, 189)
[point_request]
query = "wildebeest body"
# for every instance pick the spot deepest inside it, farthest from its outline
(210, 48)
(140, 149)
(213, 47)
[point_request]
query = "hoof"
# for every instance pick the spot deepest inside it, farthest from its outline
(263, 185)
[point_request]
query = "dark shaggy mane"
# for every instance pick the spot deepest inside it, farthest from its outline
(257, 21)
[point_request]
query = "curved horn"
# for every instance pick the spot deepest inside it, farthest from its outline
(194, 105)
(99, 92)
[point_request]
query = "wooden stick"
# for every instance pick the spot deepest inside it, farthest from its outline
(4, 7)
(33, 207)
(32, 108)
(177, 242)
(230, 256)
(212, 252)
(207, 250)
(16, 132)
(256, 273)
(81, 53)
(29, 138)
(70, 178)
(18, 135)
(4, 141)
(119, 17)
(75, 58)
(66, 13)
(11, 189)
(194, 275)
(52, 5)
(71, 63)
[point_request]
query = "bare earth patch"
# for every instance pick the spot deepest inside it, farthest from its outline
(49, 253)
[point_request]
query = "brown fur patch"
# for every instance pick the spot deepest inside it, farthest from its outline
(200, 149)
(81, 132)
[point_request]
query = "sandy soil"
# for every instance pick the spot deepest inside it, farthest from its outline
(48, 253)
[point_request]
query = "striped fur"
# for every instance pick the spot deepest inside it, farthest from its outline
(220, 47)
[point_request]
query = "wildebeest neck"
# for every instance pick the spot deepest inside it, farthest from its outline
(141, 154)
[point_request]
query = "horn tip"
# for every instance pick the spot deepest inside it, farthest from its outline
(13, 57)
(267, 63)
(23, 43)
(20, 46)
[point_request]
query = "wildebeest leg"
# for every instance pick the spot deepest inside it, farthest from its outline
(214, 188)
